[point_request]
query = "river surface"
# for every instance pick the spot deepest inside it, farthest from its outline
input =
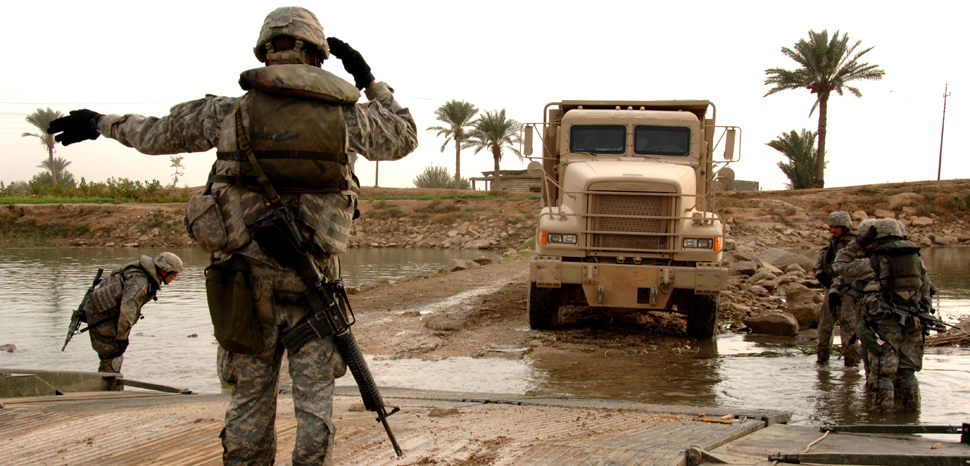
(174, 345)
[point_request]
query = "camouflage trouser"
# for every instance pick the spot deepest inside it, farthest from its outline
(249, 436)
(845, 315)
(105, 344)
(902, 354)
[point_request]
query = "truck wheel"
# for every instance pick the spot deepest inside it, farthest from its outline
(702, 316)
(543, 308)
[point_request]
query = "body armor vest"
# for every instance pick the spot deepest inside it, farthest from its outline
(293, 117)
(902, 282)
(108, 294)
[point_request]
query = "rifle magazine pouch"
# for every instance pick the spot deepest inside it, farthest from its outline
(203, 220)
(231, 307)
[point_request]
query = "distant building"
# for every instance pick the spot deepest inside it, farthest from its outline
(512, 180)
(741, 185)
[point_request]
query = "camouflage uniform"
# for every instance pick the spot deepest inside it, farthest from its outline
(850, 293)
(893, 370)
(829, 314)
(378, 130)
(114, 307)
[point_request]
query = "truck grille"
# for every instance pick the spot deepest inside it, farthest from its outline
(624, 232)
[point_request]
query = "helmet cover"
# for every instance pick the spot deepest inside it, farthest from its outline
(168, 262)
(298, 23)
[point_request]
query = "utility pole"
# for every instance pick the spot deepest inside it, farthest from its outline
(377, 168)
(939, 167)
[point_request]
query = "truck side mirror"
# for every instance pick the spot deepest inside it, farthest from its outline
(527, 142)
(535, 169)
(729, 144)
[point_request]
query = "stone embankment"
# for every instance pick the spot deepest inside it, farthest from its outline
(491, 233)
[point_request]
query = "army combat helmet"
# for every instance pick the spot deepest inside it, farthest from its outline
(168, 262)
(864, 226)
(887, 228)
(840, 218)
(298, 23)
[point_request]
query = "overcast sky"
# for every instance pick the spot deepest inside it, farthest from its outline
(141, 57)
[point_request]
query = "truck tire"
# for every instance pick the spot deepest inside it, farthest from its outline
(543, 308)
(702, 316)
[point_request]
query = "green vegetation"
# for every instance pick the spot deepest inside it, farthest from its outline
(435, 176)
(494, 132)
(383, 209)
(802, 157)
(436, 206)
(41, 119)
(457, 114)
(825, 66)
(112, 190)
(17, 233)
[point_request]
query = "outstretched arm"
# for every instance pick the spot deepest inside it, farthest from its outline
(189, 127)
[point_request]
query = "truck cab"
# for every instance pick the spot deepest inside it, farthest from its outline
(627, 219)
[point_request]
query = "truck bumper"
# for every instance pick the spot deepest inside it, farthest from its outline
(627, 285)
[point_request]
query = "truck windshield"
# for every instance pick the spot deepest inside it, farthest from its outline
(661, 140)
(598, 139)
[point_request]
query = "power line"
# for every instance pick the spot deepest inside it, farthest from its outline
(82, 104)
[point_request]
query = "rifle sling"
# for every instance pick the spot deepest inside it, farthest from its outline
(98, 323)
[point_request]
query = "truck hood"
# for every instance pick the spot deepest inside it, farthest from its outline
(634, 175)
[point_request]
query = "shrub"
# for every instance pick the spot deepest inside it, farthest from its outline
(435, 176)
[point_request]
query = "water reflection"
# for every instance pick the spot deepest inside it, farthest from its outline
(174, 345)
(665, 375)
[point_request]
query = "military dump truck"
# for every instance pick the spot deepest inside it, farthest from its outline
(627, 219)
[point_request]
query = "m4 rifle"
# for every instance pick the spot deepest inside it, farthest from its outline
(78, 316)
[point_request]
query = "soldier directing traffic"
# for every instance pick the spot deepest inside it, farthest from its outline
(288, 141)
(114, 306)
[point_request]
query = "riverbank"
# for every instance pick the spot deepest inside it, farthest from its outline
(765, 281)
(935, 213)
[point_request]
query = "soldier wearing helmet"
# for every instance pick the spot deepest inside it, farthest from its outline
(896, 283)
(304, 127)
(850, 291)
(832, 311)
(114, 306)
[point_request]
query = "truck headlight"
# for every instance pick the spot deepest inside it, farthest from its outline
(702, 243)
(546, 237)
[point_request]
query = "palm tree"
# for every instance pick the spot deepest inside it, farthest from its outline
(42, 119)
(457, 114)
(826, 66)
(59, 172)
(495, 132)
(801, 153)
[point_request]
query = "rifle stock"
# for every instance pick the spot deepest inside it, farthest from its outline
(78, 315)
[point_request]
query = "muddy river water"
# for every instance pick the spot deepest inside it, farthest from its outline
(174, 346)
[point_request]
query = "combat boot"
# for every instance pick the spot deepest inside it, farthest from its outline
(823, 355)
(884, 401)
(851, 358)
(910, 398)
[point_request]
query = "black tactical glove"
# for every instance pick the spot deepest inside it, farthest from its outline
(353, 62)
(78, 126)
(867, 237)
(122, 346)
(824, 279)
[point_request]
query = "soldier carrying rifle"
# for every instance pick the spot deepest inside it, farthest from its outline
(893, 326)
(113, 305)
(284, 171)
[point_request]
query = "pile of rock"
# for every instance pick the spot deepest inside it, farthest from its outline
(773, 291)
(403, 233)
